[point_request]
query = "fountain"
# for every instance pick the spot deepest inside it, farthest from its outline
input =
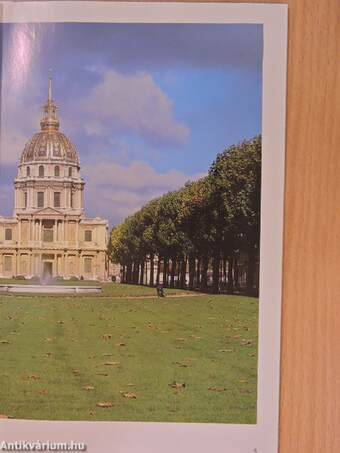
(46, 287)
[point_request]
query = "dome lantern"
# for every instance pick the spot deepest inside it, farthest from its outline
(49, 120)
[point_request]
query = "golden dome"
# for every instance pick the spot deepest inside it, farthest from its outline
(49, 143)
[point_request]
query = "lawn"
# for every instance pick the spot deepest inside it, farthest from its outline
(177, 359)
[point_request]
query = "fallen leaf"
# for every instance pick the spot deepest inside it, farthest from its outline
(217, 389)
(129, 395)
(105, 405)
(34, 377)
(107, 336)
(88, 387)
(177, 385)
(183, 365)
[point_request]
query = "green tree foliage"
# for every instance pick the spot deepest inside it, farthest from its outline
(205, 235)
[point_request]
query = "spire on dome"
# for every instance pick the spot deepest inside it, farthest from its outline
(49, 120)
(50, 85)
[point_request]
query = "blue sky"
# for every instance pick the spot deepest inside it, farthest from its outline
(148, 106)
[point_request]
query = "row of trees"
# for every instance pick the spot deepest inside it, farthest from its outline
(194, 237)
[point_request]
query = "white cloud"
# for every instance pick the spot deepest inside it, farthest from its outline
(133, 103)
(114, 191)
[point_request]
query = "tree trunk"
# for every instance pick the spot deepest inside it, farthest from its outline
(198, 272)
(165, 272)
(151, 283)
(129, 272)
(141, 276)
(158, 270)
(216, 273)
(173, 272)
(230, 274)
(224, 264)
(236, 274)
(204, 276)
(191, 271)
(183, 272)
(251, 272)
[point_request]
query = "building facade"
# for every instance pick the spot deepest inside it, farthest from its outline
(49, 235)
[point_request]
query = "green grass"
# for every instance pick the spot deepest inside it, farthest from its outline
(53, 347)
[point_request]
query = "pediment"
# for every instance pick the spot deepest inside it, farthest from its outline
(48, 211)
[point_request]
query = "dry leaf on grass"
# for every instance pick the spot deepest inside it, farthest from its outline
(183, 365)
(106, 404)
(217, 389)
(88, 387)
(107, 336)
(129, 395)
(177, 385)
(33, 377)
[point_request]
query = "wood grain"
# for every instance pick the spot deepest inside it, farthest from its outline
(310, 366)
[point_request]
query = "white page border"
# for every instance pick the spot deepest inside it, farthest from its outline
(130, 437)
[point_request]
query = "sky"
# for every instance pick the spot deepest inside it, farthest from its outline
(148, 106)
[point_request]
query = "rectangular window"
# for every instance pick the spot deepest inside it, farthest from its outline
(8, 234)
(8, 263)
(87, 265)
(57, 199)
(25, 199)
(88, 236)
(40, 199)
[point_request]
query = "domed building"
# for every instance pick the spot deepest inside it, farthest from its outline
(49, 235)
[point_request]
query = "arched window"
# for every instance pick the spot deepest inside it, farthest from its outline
(57, 171)
(28, 171)
(70, 172)
(41, 171)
